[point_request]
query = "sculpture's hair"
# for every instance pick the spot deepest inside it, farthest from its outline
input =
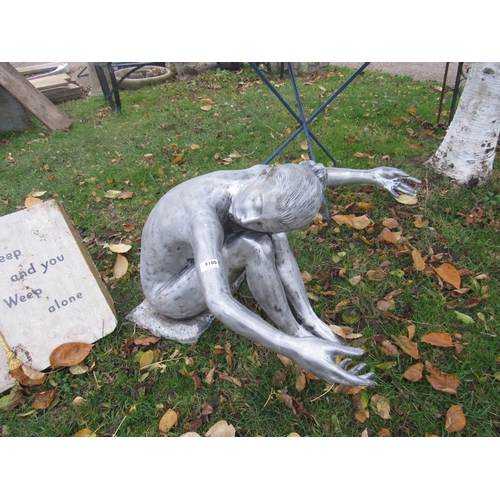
(301, 187)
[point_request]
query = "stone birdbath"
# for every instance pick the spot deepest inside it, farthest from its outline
(143, 77)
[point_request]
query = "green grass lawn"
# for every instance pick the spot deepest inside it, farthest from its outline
(356, 278)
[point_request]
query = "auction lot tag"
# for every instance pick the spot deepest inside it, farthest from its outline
(209, 264)
(50, 291)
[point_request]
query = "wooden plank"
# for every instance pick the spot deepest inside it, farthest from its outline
(62, 93)
(38, 104)
(51, 81)
(38, 68)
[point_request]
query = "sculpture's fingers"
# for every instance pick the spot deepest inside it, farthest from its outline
(356, 369)
(404, 188)
(409, 178)
(346, 350)
(345, 362)
(340, 376)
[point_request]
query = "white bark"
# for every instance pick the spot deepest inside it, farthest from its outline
(468, 150)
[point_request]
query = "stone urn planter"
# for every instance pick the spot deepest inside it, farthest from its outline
(143, 77)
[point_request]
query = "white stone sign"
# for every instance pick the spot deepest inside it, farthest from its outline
(50, 291)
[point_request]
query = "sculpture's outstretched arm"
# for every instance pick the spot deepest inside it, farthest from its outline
(291, 278)
(388, 178)
(316, 356)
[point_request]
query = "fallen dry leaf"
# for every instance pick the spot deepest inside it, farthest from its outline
(128, 227)
(286, 361)
(380, 406)
(306, 277)
(411, 331)
(419, 223)
(406, 199)
(443, 382)
(363, 205)
(121, 266)
(294, 404)
(449, 273)
(31, 201)
(209, 378)
(460, 292)
(385, 305)
(69, 354)
(455, 418)
(414, 372)
(464, 318)
(37, 194)
(341, 305)
(390, 223)
(26, 376)
(363, 155)
(375, 275)
(167, 421)
(234, 380)
(219, 349)
(384, 432)
(300, 381)
(388, 236)
(147, 359)
(112, 194)
(343, 219)
(481, 277)
(221, 429)
(120, 248)
(145, 341)
(438, 339)
(79, 369)
(14, 398)
(44, 399)
(362, 415)
(355, 280)
(409, 347)
(361, 222)
(126, 195)
(86, 433)
(389, 349)
(418, 262)
(393, 294)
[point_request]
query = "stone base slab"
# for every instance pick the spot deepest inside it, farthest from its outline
(186, 331)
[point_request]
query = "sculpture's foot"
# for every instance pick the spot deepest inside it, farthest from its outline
(185, 331)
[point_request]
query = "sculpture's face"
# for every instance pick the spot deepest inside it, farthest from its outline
(254, 207)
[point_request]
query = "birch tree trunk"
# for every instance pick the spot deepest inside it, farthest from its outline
(468, 150)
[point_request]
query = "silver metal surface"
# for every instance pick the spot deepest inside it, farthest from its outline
(205, 232)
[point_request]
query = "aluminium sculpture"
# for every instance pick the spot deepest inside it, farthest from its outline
(204, 233)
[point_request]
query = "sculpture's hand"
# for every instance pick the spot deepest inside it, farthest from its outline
(316, 356)
(394, 180)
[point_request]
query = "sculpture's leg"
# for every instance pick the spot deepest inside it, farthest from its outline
(296, 294)
(179, 298)
(250, 251)
(255, 253)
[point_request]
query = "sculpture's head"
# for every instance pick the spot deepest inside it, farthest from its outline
(281, 199)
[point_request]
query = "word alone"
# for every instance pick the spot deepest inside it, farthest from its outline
(63, 303)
